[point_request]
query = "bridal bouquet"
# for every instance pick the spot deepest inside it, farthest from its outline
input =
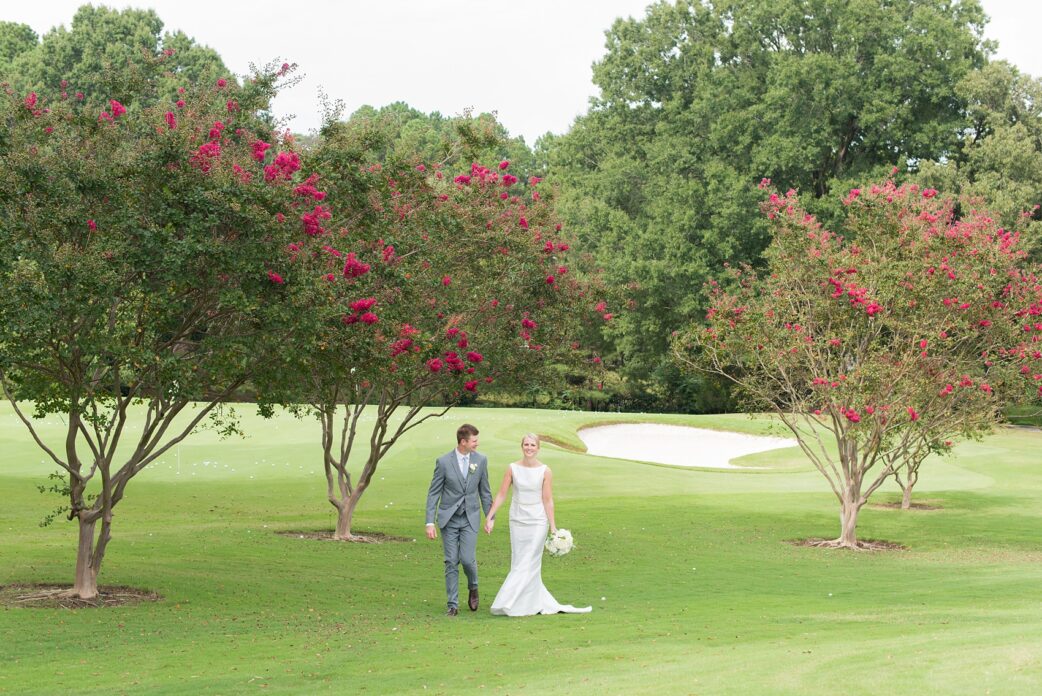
(559, 543)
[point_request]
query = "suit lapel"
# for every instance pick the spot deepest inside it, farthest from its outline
(454, 464)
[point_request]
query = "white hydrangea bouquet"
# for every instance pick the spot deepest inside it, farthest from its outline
(559, 543)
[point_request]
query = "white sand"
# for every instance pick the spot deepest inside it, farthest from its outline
(677, 444)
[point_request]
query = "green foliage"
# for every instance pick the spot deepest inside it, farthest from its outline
(400, 132)
(106, 54)
(701, 99)
(999, 163)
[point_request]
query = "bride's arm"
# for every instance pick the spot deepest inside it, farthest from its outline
(548, 498)
(501, 495)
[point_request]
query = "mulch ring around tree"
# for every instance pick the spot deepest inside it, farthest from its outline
(359, 537)
(897, 506)
(862, 544)
(45, 596)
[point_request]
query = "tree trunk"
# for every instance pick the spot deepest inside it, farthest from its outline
(848, 524)
(86, 584)
(344, 515)
(906, 488)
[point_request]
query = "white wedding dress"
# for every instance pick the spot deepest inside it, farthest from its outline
(523, 592)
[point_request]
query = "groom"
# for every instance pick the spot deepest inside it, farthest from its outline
(460, 479)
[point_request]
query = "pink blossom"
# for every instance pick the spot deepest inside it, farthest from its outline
(354, 268)
(221, 83)
(873, 309)
(504, 164)
(421, 168)
(363, 305)
(312, 221)
(368, 318)
(117, 108)
(471, 386)
(401, 346)
(30, 101)
(986, 388)
(171, 120)
(550, 280)
(528, 323)
(275, 278)
(462, 179)
(434, 364)
(446, 281)
(259, 148)
(475, 357)
(929, 193)
(523, 222)
(91, 225)
(912, 414)
(180, 103)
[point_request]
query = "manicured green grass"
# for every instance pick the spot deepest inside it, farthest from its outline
(694, 587)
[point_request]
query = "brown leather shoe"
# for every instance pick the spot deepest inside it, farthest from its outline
(472, 602)
(453, 611)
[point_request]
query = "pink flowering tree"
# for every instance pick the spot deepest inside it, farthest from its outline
(142, 256)
(435, 287)
(877, 345)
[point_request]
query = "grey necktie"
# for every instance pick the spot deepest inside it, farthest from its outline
(465, 465)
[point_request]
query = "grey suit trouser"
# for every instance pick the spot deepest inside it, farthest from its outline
(461, 544)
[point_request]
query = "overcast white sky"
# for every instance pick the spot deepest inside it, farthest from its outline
(528, 61)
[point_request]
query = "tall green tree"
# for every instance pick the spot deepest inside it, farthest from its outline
(999, 163)
(103, 55)
(700, 99)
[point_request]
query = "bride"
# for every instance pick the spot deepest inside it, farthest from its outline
(531, 512)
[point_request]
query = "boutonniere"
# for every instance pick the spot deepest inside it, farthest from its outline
(473, 467)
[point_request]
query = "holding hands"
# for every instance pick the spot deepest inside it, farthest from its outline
(490, 522)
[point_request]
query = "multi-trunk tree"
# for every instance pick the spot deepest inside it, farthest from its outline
(142, 256)
(437, 285)
(902, 326)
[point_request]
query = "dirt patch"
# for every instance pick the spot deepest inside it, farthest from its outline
(897, 506)
(862, 544)
(45, 596)
(358, 538)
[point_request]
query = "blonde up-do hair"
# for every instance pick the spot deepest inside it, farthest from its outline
(531, 436)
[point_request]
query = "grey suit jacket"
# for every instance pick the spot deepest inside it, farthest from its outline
(449, 491)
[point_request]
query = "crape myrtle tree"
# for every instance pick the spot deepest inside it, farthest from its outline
(140, 253)
(437, 284)
(901, 330)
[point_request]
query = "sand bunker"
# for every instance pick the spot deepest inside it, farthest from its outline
(677, 444)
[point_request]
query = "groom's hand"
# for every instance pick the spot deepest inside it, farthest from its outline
(432, 532)
(488, 526)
